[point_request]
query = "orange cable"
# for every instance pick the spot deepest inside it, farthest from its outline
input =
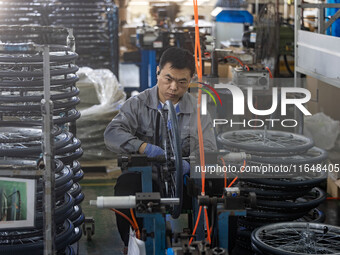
(135, 222)
(237, 59)
(270, 73)
(244, 164)
(198, 63)
(195, 228)
(207, 222)
(125, 217)
(232, 182)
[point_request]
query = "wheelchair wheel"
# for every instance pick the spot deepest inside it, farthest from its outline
(174, 179)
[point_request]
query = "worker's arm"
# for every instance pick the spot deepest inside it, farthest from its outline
(119, 135)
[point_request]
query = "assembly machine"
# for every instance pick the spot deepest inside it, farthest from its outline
(154, 207)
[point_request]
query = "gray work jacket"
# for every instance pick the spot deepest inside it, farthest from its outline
(136, 123)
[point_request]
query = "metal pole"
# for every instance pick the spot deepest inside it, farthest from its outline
(49, 178)
(113, 25)
(71, 43)
(321, 21)
(297, 75)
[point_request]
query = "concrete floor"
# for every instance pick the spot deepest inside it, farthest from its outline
(106, 239)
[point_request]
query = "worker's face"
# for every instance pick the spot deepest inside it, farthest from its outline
(172, 83)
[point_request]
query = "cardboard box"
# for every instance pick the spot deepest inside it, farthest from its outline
(124, 38)
(328, 101)
(224, 70)
(333, 187)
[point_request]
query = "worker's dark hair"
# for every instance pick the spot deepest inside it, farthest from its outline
(178, 58)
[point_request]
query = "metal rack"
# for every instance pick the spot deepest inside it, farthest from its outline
(48, 141)
(47, 173)
(316, 54)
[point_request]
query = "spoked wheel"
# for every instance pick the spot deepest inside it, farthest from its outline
(265, 142)
(314, 155)
(174, 176)
(297, 238)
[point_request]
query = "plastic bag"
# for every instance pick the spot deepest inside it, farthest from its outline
(136, 246)
(322, 129)
(101, 96)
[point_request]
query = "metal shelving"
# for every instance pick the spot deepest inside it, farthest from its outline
(316, 54)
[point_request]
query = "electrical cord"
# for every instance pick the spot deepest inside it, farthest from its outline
(135, 228)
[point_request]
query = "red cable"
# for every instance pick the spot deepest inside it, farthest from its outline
(244, 165)
(199, 126)
(195, 228)
(135, 222)
(270, 73)
(125, 217)
(207, 222)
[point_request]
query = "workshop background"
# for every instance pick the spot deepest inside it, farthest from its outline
(56, 101)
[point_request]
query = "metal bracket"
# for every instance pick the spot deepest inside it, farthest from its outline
(88, 228)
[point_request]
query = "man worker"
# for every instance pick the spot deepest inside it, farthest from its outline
(134, 127)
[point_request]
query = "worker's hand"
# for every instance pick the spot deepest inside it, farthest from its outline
(153, 150)
(186, 167)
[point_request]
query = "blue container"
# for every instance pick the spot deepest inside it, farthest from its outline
(336, 25)
(234, 16)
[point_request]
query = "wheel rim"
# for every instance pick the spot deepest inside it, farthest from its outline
(264, 142)
(297, 238)
(175, 189)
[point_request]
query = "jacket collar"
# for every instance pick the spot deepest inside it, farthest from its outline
(186, 104)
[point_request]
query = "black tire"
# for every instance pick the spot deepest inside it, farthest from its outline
(77, 211)
(75, 190)
(274, 216)
(311, 200)
(37, 97)
(80, 220)
(313, 215)
(69, 158)
(62, 212)
(54, 72)
(266, 194)
(58, 106)
(79, 199)
(293, 184)
(75, 166)
(177, 153)
(23, 134)
(33, 148)
(36, 248)
(38, 84)
(71, 147)
(77, 234)
(78, 176)
(314, 155)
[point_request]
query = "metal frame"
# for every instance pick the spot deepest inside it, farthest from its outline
(47, 148)
(154, 222)
(113, 26)
(313, 49)
(49, 177)
(316, 46)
